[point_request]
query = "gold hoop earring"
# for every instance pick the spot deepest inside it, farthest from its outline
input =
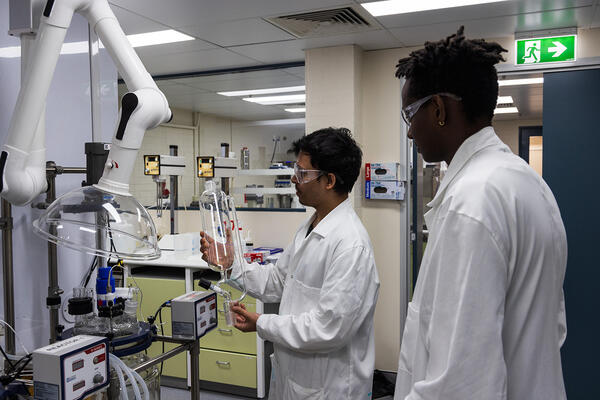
(441, 123)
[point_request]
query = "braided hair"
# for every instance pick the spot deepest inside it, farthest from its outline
(464, 67)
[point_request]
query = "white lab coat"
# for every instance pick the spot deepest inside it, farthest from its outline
(327, 284)
(487, 317)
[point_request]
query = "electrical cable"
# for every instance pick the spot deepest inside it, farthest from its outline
(17, 337)
(6, 358)
(87, 278)
(162, 332)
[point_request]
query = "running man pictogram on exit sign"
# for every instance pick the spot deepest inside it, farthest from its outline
(546, 50)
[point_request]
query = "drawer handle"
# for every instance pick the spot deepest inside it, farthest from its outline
(224, 364)
(225, 330)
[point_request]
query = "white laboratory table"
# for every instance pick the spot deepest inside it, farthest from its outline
(169, 259)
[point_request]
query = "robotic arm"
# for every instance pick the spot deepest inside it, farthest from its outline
(22, 159)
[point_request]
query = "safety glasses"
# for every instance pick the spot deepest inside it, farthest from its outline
(408, 112)
(306, 175)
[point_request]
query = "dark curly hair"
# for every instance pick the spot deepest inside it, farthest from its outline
(464, 67)
(333, 150)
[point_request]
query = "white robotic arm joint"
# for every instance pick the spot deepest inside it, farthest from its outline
(22, 160)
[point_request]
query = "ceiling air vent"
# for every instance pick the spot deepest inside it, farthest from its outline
(324, 22)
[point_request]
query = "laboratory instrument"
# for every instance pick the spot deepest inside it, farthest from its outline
(106, 208)
(193, 314)
(161, 166)
(71, 369)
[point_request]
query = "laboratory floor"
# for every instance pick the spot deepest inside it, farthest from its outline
(180, 394)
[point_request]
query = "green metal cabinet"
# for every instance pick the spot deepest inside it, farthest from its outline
(156, 291)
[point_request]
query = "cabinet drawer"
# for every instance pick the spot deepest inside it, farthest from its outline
(228, 338)
(228, 368)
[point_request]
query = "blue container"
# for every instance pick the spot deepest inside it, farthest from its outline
(102, 281)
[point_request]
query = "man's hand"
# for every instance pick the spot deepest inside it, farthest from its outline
(245, 321)
(216, 253)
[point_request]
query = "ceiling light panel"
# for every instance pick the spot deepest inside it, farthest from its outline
(391, 7)
(139, 40)
(525, 81)
(271, 100)
(506, 110)
(296, 110)
(288, 89)
(505, 100)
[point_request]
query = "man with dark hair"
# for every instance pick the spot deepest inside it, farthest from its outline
(487, 316)
(326, 282)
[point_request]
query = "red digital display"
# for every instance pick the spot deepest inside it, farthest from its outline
(77, 365)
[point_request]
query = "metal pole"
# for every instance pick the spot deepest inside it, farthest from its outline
(94, 48)
(174, 197)
(7, 274)
(162, 357)
(195, 370)
(53, 300)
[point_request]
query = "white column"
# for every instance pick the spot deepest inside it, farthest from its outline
(347, 87)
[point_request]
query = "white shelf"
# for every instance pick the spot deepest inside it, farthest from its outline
(270, 171)
(267, 190)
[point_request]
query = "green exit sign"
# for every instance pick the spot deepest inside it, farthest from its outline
(546, 50)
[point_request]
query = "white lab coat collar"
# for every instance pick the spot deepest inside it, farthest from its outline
(472, 145)
(329, 222)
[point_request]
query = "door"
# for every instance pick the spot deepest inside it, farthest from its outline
(570, 166)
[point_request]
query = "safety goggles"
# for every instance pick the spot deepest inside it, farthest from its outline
(408, 112)
(306, 175)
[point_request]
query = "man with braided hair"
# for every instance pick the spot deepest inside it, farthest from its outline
(487, 317)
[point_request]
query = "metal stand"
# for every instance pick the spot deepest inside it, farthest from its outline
(193, 346)
(7, 274)
(53, 301)
(173, 204)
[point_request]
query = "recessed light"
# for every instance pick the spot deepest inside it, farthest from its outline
(271, 100)
(506, 110)
(505, 100)
(389, 7)
(296, 109)
(138, 40)
(524, 81)
(264, 91)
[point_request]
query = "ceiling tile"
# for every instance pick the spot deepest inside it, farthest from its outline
(178, 13)
(293, 50)
(256, 83)
(235, 33)
(596, 20)
(494, 27)
(132, 23)
(194, 61)
(508, 8)
(179, 90)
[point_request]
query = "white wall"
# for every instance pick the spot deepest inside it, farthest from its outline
(68, 126)
(358, 90)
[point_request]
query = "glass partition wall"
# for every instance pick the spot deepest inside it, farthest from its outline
(253, 116)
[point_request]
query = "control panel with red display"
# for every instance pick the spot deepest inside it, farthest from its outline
(71, 369)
